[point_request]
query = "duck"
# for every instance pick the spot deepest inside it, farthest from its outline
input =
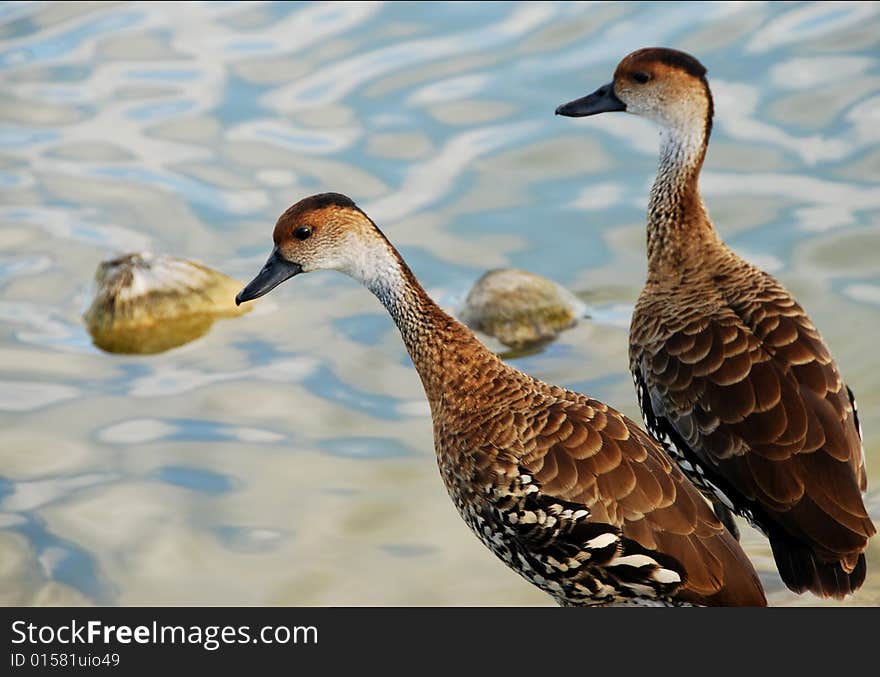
(567, 491)
(731, 375)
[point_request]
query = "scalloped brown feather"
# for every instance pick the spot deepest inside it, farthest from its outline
(583, 453)
(734, 364)
(732, 377)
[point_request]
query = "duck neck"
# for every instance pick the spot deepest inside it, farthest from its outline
(445, 353)
(678, 224)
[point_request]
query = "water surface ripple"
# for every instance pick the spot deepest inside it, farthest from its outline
(286, 457)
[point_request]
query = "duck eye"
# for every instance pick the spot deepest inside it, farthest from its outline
(641, 77)
(302, 233)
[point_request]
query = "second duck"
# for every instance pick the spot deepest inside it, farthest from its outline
(731, 375)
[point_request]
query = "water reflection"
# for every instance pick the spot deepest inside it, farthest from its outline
(139, 431)
(25, 396)
(281, 447)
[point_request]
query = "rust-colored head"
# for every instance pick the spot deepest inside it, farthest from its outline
(665, 85)
(316, 231)
(322, 232)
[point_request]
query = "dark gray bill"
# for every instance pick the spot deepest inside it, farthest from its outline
(276, 270)
(603, 100)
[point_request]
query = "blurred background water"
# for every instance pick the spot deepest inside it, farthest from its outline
(286, 458)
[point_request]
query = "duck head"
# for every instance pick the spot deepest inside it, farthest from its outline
(322, 232)
(664, 85)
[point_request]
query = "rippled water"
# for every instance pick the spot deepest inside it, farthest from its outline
(286, 458)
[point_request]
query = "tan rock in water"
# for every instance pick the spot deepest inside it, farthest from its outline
(520, 308)
(149, 303)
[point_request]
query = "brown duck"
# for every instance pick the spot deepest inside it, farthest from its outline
(568, 492)
(731, 375)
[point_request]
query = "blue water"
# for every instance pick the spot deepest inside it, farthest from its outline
(301, 428)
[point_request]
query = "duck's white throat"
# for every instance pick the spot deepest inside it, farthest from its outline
(374, 263)
(681, 148)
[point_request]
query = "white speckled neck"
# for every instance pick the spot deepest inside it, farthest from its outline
(675, 205)
(682, 149)
(439, 345)
(681, 156)
(391, 287)
(376, 264)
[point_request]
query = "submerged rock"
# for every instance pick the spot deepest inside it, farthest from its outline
(149, 303)
(519, 308)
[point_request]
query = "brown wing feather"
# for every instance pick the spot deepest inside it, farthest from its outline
(742, 375)
(589, 454)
